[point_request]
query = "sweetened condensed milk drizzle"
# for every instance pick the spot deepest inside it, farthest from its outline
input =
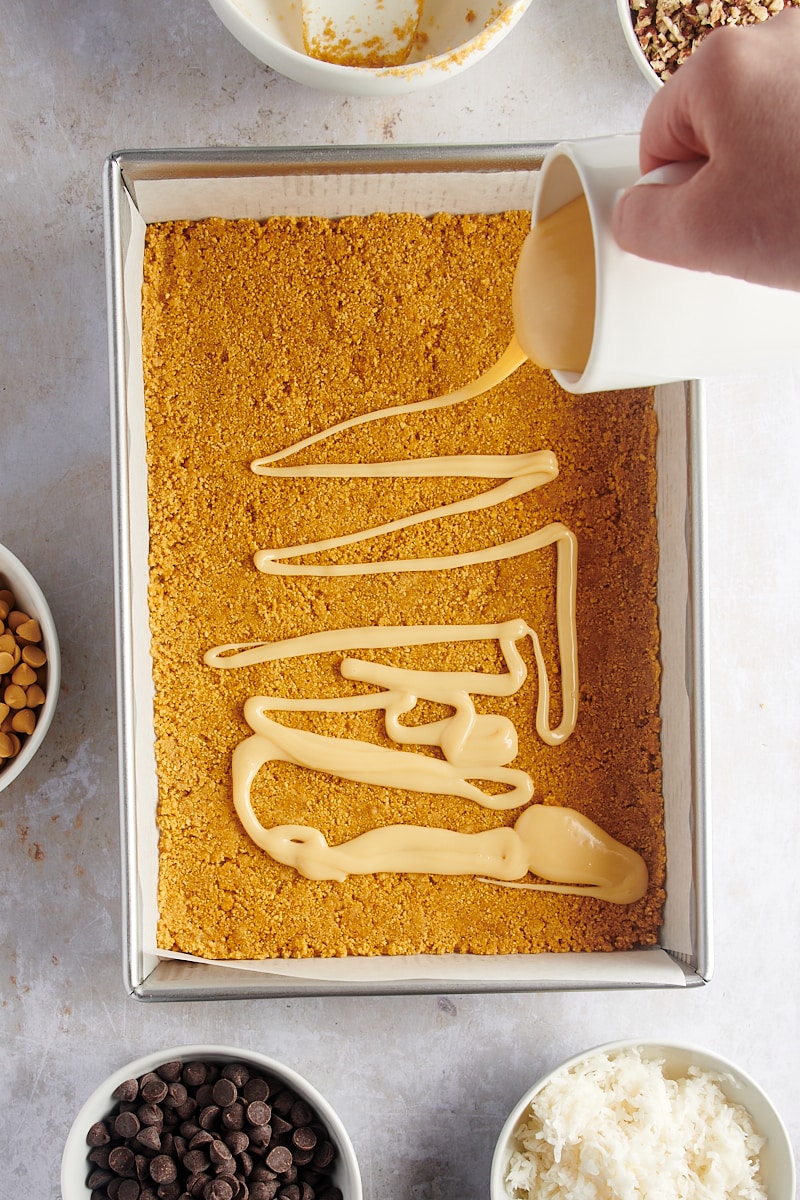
(556, 844)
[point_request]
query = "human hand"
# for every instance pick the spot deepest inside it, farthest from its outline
(735, 106)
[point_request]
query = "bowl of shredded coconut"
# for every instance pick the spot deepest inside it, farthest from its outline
(644, 1121)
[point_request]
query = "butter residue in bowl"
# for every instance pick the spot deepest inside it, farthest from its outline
(372, 33)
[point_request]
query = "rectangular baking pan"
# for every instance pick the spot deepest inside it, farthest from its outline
(145, 186)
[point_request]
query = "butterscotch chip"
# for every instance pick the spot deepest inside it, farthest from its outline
(8, 645)
(23, 721)
(34, 696)
(23, 675)
(14, 696)
(34, 656)
(6, 662)
(29, 630)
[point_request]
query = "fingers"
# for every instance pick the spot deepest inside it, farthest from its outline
(664, 222)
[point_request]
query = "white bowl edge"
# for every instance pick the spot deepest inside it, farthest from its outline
(28, 594)
(635, 47)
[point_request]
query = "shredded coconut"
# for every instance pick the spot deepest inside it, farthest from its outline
(616, 1128)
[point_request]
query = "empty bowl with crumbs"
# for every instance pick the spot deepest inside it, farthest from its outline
(637, 1118)
(208, 1121)
(30, 667)
(360, 49)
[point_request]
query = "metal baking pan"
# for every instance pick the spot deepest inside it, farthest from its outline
(145, 186)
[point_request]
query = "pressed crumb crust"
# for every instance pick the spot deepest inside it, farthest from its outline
(257, 334)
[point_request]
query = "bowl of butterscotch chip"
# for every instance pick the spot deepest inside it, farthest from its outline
(212, 1122)
(30, 667)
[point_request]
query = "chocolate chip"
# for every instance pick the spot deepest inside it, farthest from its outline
(280, 1126)
(224, 1092)
(196, 1183)
(304, 1138)
(194, 1074)
(169, 1191)
(208, 1116)
(170, 1072)
(290, 1192)
(260, 1135)
(150, 1114)
(259, 1113)
(186, 1111)
(152, 1089)
(279, 1159)
(176, 1095)
(163, 1169)
(149, 1137)
(300, 1113)
(256, 1088)
(323, 1155)
(99, 1178)
(98, 1135)
(218, 1189)
(237, 1072)
(122, 1161)
(233, 1117)
(128, 1090)
(282, 1103)
(126, 1125)
(218, 1152)
(196, 1161)
(129, 1190)
(264, 1190)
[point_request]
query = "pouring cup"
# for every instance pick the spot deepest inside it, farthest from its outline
(653, 323)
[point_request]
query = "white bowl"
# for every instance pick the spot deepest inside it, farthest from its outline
(777, 1160)
(635, 46)
(272, 30)
(74, 1163)
(30, 598)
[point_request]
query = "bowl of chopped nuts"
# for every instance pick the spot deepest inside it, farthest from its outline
(30, 667)
(212, 1122)
(663, 34)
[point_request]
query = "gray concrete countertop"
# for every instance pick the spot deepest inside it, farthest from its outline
(423, 1083)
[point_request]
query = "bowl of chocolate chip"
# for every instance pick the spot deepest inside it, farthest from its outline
(210, 1123)
(30, 667)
